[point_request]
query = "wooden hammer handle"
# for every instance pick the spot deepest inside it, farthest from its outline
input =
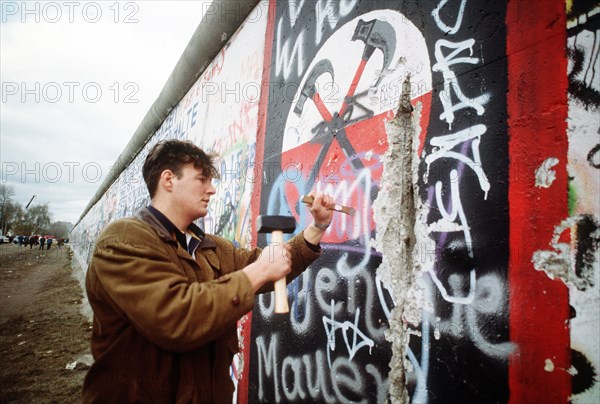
(281, 297)
(307, 199)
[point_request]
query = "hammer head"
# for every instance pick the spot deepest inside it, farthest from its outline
(268, 224)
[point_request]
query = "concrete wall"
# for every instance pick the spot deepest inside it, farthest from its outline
(466, 135)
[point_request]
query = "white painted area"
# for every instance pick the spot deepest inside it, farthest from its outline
(409, 57)
(544, 174)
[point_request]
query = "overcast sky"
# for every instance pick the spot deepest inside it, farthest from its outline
(77, 78)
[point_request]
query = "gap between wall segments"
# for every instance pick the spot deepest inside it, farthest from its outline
(396, 232)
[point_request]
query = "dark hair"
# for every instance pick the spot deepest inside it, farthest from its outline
(173, 155)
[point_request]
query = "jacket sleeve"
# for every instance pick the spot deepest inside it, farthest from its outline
(141, 281)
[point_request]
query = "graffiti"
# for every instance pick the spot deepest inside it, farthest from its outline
(575, 261)
(237, 130)
(573, 253)
(331, 326)
(332, 127)
(451, 85)
(459, 17)
(305, 377)
(284, 57)
(443, 145)
(327, 16)
(226, 215)
(593, 156)
(216, 66)
(346, 192)
(467, 309)
(582, 29)
(330, 136)
(572, 262)
(585, 376)
(465, 320)
(329, 295)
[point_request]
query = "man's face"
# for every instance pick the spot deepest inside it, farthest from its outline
(192, 192)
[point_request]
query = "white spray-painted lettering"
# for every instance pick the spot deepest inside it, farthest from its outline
(443, 65)
(443, 149)
(441, 25)
(304, 377)
(284, 58)
(359, 339)
(472, 299)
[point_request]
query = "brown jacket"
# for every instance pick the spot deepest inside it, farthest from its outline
(164, 326)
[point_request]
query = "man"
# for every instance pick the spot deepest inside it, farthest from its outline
(166, 296)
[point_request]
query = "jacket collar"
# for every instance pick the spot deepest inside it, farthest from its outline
(148, 216)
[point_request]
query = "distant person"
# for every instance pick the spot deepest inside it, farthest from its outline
(166, 296)
(48, 243)
(31, 241)
(19, 241)
(42, 241)
(60, 243)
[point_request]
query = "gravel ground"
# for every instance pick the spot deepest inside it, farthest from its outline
(41, 327)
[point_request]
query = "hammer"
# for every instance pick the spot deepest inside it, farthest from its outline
(277, 225)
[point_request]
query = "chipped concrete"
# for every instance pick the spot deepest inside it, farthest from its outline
(573, 262)
(394, 211)
(545, 175)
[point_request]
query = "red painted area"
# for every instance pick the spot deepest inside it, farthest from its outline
(337, 174)
(322, 108)
(425, 101)
(242, 393)
(537, 109)
(355, 80)
(369, 139)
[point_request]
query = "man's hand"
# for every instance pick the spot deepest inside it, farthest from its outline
(322, 216)
(274, 263)
(320, 208)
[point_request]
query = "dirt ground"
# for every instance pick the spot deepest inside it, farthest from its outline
(41, 327)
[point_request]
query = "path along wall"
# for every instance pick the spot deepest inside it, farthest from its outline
(466, 135)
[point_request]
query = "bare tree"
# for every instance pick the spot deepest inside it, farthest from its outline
(6, 194)
(60, 229)
(37, 220)
(13, 216)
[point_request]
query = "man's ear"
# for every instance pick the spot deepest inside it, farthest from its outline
(166, 180)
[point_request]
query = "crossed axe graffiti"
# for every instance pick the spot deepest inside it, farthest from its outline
(375, 34)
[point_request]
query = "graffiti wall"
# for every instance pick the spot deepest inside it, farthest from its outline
(465, 135)
(347, 63)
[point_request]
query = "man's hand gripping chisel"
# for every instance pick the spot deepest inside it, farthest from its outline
(307, 199)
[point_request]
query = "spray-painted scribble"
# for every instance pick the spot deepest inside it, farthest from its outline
(464, 285)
